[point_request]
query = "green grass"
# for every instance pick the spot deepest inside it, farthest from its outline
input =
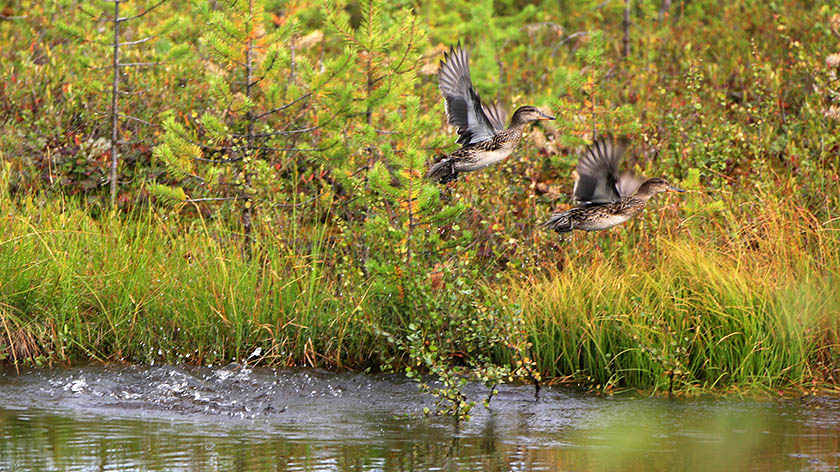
(749, 304)
(140, 289)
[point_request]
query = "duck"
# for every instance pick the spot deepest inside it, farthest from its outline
(605, 198)
(482, 134)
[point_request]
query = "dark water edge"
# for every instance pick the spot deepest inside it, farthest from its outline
(173, 418)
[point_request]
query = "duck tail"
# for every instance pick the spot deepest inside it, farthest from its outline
(443, 171)
(559, 222)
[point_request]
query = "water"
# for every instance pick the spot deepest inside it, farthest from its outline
(234, 419)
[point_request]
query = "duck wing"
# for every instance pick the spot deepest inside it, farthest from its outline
(628, 183)
(598, 180)
(462, 103)
(496, 114)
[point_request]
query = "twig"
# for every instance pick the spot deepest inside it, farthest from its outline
(569, 38)
(283, 107)
(267, 70)
(408, 48)
(663, 10)
(129, 64)
(261, 148)
(295, 205)
(134, 118)
(217, 161)
(210, 199)
(626, 24)
(277, 133)
(128, 18)
(547, 24)
(115, 114)
(133, 92)
(140, 64)
(600, 5)
(139, 41)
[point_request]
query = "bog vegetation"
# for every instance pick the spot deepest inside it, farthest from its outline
(269, 203)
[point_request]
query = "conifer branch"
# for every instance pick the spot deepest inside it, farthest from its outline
(225, 55)
(267, 70)
(293, 131)
(230, 35)
(279, 133)
(256, 148)
(371, 11)
(349, 37)
(408, 47)
(283, 107)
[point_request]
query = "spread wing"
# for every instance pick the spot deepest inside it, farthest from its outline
(598, 181)
(496, 114)
(628, 183)
(463, 106)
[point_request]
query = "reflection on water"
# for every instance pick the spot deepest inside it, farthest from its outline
(201, 419)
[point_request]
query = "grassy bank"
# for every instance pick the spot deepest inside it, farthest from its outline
(138, 289)
(749, 301)
(751, 304)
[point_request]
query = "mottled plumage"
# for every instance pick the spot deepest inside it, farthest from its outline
(605, 199)
(481, 130)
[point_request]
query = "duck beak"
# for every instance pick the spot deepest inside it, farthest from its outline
(543, 116)
(675, 189)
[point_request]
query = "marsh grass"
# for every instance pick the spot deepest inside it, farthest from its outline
(749, 301)
(744, 297)
(141, 288)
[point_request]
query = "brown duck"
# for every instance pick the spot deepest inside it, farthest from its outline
(606, 199)
(481, 130)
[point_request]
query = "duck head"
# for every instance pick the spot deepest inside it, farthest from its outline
(527, 114)
(651, 187)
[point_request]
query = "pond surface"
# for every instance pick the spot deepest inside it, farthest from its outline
(239, 419)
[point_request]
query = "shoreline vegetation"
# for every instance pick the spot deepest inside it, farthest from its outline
(750, 304)
(271, 205)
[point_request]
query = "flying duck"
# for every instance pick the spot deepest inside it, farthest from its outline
(482, 134)
(604, 198)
